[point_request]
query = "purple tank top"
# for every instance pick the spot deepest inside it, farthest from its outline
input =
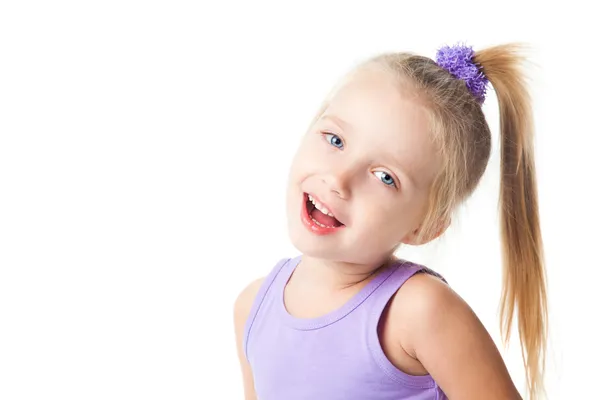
(333, 357)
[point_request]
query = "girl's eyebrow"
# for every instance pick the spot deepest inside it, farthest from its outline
(338, 121)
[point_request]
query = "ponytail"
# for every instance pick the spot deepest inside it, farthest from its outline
(524, 281)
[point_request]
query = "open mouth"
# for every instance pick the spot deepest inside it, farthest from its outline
(318, 217)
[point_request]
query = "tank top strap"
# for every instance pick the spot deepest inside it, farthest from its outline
(273, 282)
(404, 270)
(401, 272)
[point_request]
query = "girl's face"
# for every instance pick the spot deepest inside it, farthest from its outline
(369, 161)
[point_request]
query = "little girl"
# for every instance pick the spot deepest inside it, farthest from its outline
(399, 143)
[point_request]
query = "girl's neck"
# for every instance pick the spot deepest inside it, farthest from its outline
(335, 275)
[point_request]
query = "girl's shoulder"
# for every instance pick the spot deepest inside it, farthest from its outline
(413, 305)
(433, 325)
(427, 301)
(244, 301)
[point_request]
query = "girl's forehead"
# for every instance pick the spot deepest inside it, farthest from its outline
(373, 102)
(377, 98)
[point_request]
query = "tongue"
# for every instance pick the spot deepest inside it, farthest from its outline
(324, 219)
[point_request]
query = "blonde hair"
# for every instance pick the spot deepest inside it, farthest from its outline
(463, 137)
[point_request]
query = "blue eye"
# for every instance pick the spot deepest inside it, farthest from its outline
(385, 178)
(334, 140)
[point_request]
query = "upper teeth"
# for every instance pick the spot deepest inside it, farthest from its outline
(320, 206)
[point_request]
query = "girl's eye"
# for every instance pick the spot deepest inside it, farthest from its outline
(334, 140)
(385, 178)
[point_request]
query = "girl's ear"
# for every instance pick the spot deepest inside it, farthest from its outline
(412, 239)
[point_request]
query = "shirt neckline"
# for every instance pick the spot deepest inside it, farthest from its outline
(334, 315)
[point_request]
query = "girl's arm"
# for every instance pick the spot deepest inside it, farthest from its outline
(242, 306)
(446, 337)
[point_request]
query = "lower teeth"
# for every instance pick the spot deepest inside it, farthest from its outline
(320, 224)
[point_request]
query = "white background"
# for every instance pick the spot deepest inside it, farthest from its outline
(144, 149)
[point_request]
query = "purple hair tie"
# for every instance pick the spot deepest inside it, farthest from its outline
(458, 60)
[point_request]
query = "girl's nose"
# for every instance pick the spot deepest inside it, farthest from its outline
(338, 182)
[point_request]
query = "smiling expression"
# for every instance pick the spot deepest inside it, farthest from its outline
(368, 160)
